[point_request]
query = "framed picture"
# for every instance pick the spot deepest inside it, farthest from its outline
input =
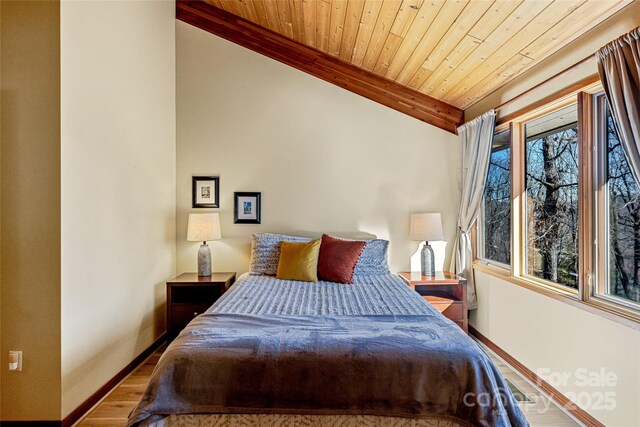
(246, 208)
(206, 191)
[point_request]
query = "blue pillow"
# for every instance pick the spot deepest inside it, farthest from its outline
(265, 251)
(373, 260)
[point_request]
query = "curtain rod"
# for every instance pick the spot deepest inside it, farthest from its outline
(555, 76)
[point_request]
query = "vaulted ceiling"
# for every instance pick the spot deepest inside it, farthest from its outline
(456, 51)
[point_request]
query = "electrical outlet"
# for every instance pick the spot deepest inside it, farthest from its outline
(15, 361)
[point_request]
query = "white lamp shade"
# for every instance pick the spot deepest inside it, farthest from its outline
(203, 227)
(426, 226)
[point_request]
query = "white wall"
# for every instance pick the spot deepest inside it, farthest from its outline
(324, 158)
(539, 331)
(118, 185)
(551, 337)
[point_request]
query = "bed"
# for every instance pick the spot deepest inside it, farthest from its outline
(284, 352)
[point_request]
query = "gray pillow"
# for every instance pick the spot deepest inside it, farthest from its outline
(373, 260)
(265, 251)
(265, 254)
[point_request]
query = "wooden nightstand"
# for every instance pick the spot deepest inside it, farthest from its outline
(189, 295)
(445, 291)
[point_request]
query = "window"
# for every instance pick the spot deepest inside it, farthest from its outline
(495, 237)
(551, 204)
(561, 207)
(620, 212)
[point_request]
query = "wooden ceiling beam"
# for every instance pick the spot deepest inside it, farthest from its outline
(319, 64)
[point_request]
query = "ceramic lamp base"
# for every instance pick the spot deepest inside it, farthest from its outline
(427, 263)
(204, 260)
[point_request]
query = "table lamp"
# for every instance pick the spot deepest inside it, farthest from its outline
(202, 228)
(426, 226)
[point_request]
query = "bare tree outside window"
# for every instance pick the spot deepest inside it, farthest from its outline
(496, 206)
(552, 197)
(623, 221)
(547, 217)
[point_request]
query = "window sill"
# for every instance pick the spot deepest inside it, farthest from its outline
(502, 269)
(596, 306)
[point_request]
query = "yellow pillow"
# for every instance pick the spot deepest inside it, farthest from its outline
(299, 261)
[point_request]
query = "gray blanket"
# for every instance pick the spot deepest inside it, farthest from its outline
(393, 365)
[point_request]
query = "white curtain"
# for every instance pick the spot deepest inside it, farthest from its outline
(476, 138)
(619, 69)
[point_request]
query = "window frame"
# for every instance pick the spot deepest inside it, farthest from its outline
(597, 293)
(479, 232)
(522, 191)
(590, 209)
(519, 192)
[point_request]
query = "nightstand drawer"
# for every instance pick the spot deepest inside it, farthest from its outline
(189, 295)
(196, 294)
(181, 314)
(451, 309)
(446, 292)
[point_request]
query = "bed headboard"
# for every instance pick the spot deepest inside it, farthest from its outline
(352, 235)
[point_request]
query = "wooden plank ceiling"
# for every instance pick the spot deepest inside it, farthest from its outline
(457, 51)
(317, 63)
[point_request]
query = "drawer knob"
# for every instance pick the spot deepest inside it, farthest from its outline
(195, 313)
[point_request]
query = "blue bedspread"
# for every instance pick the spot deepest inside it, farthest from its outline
(409, 366)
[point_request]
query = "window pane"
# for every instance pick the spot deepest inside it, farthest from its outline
(624, 222)
(552, 197)
(496, 206)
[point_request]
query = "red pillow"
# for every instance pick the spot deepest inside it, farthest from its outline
(338, 258)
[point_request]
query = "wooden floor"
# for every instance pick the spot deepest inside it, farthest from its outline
(114, 409)
(541, 411)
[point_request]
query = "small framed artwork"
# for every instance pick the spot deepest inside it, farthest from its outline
(246, 208)
(206, 191)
